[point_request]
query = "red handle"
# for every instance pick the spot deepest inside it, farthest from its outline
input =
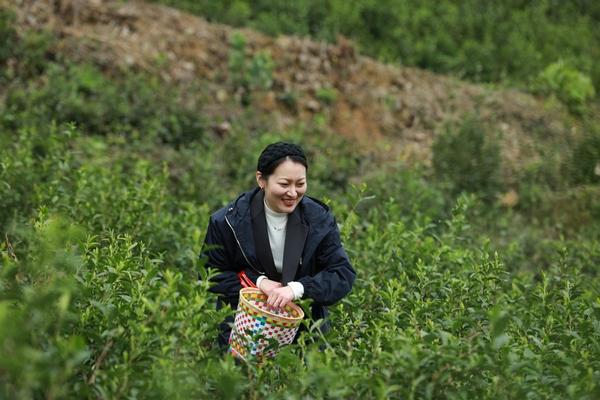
(244, 280)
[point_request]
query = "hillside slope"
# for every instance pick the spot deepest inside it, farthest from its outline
(369, 101)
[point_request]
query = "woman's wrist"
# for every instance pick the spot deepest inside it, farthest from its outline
(297, 288)
(259, 280)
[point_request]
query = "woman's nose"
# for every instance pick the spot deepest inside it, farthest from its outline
(292, 192)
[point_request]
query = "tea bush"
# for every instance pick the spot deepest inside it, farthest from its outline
(430, 316)
(84, 320)
(39, 352)
(433, 313)
(35, 168)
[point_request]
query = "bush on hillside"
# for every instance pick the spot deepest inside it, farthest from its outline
(133, 106)
(469, 160)
(8, 35)
(571, 86)
(583, 167)
(247, 75)
(28, 54)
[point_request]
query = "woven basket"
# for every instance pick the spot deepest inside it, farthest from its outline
(259, 331)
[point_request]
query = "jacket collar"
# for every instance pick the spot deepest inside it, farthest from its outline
(306, 226)
(295, 237)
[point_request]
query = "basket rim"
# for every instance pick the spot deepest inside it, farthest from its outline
(274, 316)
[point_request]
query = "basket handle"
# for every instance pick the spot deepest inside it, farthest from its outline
(244, 280)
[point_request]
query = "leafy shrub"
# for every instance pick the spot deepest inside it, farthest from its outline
(289, 99)
(237, 13)
(584, 164)
(28, 53)
(142, 315)
(260, 72)
(333, 163)
(571, 86)
(8, 35)
(434, 312)
(248, 75)
(36, 169)
(469, 160)
(85, 317)
(39, 353)
(134, 106)
(326, 95)
(404, 192)
(34, 53)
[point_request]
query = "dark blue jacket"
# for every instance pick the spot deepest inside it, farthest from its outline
(237, 240)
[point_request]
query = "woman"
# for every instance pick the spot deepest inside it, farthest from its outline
(287, 243)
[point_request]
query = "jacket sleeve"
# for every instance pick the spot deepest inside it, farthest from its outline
(218, 252)
(336, 275)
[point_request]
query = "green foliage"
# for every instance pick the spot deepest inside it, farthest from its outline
(433, 311)
(237, 13)
(326, 95)
(35, 165)
(135, 106)
(248, 75)
(572, 87)
(33, 51)
(8, 35)
(260, 72)
(21, 56)
(481, 41)
(289, 99)
(37, 292)
(237, 60)
(85, 317)
(469, 159)
(584, 163)
(143, 318)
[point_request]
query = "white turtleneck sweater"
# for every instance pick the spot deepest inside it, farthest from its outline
(276, 228)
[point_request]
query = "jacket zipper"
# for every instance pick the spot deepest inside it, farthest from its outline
(240, 246)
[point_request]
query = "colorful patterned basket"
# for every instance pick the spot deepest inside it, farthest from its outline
(259, 330)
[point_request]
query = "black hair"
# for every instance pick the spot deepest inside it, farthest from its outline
(276, 153)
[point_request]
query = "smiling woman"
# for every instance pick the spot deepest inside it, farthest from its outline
(286, 243)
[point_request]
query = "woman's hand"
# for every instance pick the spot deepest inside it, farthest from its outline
(267, 286)
(280, 297)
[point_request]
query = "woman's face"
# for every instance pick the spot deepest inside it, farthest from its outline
(285, 187)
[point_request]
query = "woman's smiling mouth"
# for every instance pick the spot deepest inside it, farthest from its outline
(289, 202)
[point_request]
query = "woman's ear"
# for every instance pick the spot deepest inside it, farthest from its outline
(259, 180)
